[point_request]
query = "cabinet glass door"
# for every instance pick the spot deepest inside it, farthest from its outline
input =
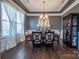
(74, 20)
(74, 41)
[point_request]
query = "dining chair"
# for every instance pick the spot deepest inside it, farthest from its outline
(36, 39)
(48, 39)
(57, 37)
(26, 37)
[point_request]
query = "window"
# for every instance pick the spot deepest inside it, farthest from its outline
(11, 24)
(12, 21)
(5, 22)
(19, 29)
(6, 28)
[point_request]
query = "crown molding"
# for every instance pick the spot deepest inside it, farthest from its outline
(49, 14)
(16, 6)
(54, 14)
(71, 6)
(59, 14)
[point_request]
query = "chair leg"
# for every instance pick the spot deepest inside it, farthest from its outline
(58, 43)
(25, 43)
(52, 46)
(33, 46)
(40, 47)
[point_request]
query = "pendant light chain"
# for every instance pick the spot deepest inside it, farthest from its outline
(43, 7)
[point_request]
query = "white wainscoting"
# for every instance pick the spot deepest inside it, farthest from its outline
(59, 32)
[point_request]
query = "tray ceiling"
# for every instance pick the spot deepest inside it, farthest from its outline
(50, 5)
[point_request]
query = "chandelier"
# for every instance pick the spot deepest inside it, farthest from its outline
(43, 22)
(43, 16)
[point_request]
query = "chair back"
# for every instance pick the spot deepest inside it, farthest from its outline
(36, 36)
(49, 36)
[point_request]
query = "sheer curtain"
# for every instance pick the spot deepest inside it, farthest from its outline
(20, 26)
(10, 12)
(12, 26)
(5, 28)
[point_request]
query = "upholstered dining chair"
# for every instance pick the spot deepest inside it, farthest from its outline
(57, 37)
(26, 37)
(48, 39)
(36, 39)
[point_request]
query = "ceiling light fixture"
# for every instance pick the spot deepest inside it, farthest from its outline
(43, 16)
(43, 21)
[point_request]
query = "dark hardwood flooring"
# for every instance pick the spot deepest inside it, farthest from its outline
(22, 52)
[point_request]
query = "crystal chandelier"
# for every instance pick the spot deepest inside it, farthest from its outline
(43, 22)
(43, 16)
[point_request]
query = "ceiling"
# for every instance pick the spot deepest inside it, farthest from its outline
(50, 5)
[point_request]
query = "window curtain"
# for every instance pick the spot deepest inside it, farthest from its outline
(22, 26)
(11, 14)
(5, 28)
(18, 34)
(12, 26)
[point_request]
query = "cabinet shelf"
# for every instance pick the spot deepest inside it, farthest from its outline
(71, 30)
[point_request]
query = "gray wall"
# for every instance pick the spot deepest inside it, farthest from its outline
(30, 23)
(73, 10)
(55, 22)
(26, 23)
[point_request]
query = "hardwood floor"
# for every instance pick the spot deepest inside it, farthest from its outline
(21, 52)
